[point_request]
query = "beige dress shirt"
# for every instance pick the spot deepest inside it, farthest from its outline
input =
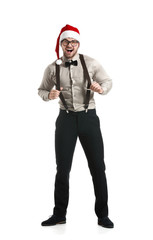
(73, 82)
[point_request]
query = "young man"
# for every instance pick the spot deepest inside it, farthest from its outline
(76, 78)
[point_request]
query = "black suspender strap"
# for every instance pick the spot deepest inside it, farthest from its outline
(58, 86)
(86, 76)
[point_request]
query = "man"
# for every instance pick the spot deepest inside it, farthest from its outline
(76, 78)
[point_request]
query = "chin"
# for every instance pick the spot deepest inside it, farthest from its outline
(70, 56)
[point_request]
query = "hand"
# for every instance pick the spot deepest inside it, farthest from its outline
(54, 93)
(96, 87)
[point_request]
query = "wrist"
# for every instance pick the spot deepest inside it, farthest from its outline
(49, 96)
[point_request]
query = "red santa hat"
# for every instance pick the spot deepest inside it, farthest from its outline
(66, 32)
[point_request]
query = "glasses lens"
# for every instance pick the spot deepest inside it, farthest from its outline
(65, 42)
(74, 43)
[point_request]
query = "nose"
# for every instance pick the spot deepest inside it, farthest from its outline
(69, 43)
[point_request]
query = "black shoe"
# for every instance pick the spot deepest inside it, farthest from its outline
(105, 222)
(53, 220)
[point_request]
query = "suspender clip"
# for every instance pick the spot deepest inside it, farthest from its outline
(86, 110)
(67, 111)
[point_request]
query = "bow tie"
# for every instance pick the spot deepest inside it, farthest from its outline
(75, 63)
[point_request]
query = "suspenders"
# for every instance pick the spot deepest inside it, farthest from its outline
(58, 86)
(86, 76)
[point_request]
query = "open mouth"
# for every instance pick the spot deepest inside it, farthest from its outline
(69, 50)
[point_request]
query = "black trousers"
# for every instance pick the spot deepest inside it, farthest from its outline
(86, 126)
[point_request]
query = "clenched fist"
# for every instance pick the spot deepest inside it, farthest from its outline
(96, 87)
(54, 93)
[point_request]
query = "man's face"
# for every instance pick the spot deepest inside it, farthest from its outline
(70, 49)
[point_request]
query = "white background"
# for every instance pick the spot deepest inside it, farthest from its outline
(119, 35)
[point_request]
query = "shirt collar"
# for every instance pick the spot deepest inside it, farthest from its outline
(76, 57)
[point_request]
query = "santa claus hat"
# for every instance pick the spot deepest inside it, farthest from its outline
(66, 32)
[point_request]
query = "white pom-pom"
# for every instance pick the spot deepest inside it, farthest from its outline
(58, 61)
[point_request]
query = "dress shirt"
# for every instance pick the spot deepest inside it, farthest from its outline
(73, 82)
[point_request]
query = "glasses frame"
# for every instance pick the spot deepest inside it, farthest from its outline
(75, 44)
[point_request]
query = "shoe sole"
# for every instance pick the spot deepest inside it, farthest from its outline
(63, 222)
(105, 226)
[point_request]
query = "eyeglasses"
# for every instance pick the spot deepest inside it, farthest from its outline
(74, 43)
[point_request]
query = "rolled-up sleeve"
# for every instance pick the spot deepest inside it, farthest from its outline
(101, 77)
(46, 85)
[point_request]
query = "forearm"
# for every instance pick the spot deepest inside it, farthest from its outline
(106, 86)
(101, 77)
(46, 85)
(43, 94)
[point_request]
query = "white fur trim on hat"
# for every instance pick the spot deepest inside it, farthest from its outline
(58, 61)
(70, 34)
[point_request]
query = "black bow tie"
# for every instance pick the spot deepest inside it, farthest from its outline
(75, 63)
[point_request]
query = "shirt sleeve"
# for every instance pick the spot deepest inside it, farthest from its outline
(101, 77)
(46, 85)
